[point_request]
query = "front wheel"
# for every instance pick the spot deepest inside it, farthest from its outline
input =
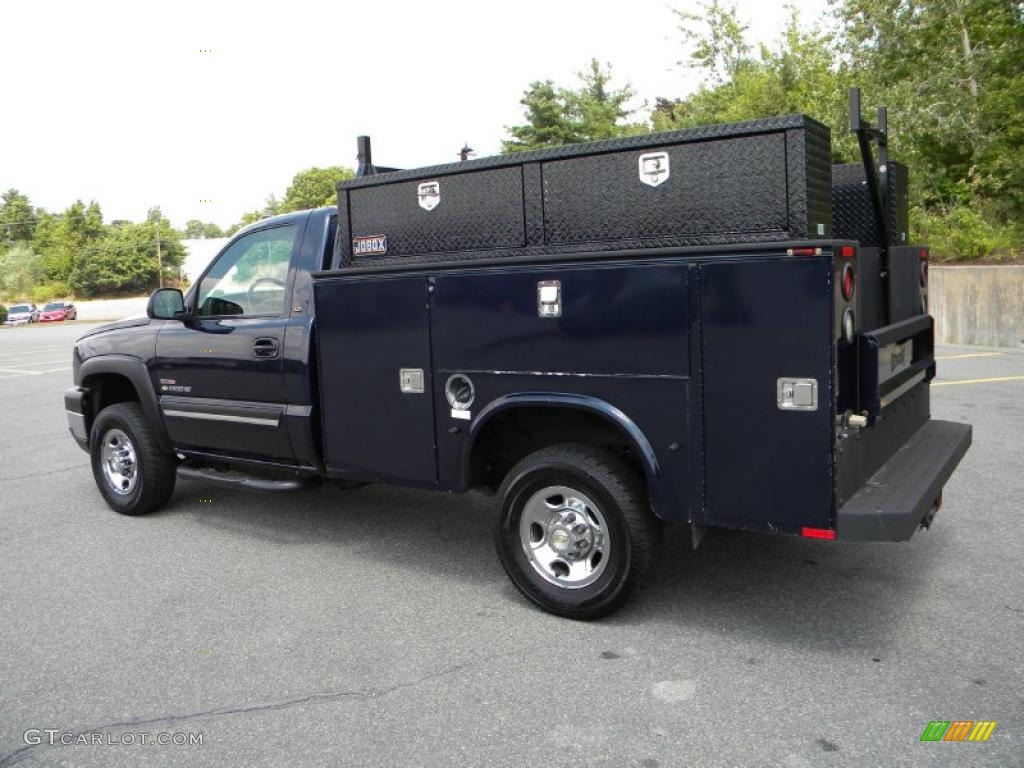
(132, 472)
(574, 531)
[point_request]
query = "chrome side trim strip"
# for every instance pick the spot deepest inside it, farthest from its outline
(223, 417)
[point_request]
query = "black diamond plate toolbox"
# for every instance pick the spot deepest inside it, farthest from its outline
(756, 181)
(853, 214)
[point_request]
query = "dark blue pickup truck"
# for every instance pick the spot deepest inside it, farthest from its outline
(711, 327)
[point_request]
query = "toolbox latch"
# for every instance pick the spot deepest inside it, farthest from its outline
(411, 380)
(796, 394)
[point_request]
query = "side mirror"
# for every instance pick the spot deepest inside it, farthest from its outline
(166, 304)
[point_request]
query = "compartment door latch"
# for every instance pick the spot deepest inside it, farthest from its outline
(411, 380)
(794, 394)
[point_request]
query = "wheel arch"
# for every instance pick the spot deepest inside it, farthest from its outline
(594, 411)
(113, 379)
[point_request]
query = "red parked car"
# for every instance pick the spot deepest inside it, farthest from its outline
(58, 310)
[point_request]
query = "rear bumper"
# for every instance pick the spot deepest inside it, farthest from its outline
(74, 408)
(901, 495)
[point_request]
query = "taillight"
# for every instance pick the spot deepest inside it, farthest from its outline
(847, 282)
(817, 533)
(803, 252)
(847, 251)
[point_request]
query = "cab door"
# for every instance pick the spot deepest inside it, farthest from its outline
(220, 377)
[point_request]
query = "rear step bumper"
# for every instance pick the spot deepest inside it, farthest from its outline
(901, 495)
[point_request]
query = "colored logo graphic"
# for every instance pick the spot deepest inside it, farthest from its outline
(958, 730)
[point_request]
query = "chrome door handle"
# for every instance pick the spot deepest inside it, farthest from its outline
(265, 348)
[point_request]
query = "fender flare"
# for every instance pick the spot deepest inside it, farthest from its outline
(601, 408)
(133, 369)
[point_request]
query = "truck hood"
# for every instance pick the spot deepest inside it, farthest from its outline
(128, 322)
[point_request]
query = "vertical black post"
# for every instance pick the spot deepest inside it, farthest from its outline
(883, 170)
(364, 157)
(877, 180)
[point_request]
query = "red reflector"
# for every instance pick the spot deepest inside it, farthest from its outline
(847, 251)
(817, 533)
(847, 282)
(924, 253)
(804, 252)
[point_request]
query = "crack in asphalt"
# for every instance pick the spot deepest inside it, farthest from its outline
(316, 697)
(43, 473)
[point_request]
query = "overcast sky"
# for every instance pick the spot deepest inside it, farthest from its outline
(119, 102)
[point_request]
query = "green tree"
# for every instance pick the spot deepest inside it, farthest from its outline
(125, 261)
(314, 187)
(798, 74)
(556, 116)
(21, 269)
(64, 238)
(17, 219)
(196, 229)
(718, 39)
(952, 72)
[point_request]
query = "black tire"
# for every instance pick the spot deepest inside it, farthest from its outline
(632, 530)
(155, 470)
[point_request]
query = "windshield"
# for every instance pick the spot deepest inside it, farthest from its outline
(19, 308)
(53, 305)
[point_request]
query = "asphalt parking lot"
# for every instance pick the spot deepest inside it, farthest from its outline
(376, 627)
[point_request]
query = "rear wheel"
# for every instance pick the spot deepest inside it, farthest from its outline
(574, 531)
(134, 475)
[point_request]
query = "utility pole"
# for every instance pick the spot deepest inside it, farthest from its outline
(159, 255)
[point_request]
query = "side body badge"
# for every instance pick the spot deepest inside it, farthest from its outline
(429, 195)
(654, 168)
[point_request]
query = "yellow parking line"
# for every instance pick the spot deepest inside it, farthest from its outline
(969, 354)
(976, 381)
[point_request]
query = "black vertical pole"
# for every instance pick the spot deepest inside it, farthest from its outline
(865, 133)
(364, 157)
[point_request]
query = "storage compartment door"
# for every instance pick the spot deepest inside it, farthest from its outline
(767, 467)
(373, 345)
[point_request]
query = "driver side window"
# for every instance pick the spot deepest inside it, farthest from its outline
(250, 277)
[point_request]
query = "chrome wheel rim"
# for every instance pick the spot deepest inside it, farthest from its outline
(565, 537)
(117, 457)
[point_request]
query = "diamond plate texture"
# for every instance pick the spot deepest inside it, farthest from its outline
(729, 186)
(756, 181)
(853, 212)
(813, 204)
(343, 236)
(640, 141)
(478, 211)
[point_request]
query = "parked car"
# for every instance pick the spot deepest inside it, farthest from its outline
(58, 310)
(20, 314)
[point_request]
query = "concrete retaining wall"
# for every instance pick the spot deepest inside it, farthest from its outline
(977, 305)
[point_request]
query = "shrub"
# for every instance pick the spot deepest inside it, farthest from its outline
(20, 269)
(3, 313)
(50, 292)
(963, 233)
